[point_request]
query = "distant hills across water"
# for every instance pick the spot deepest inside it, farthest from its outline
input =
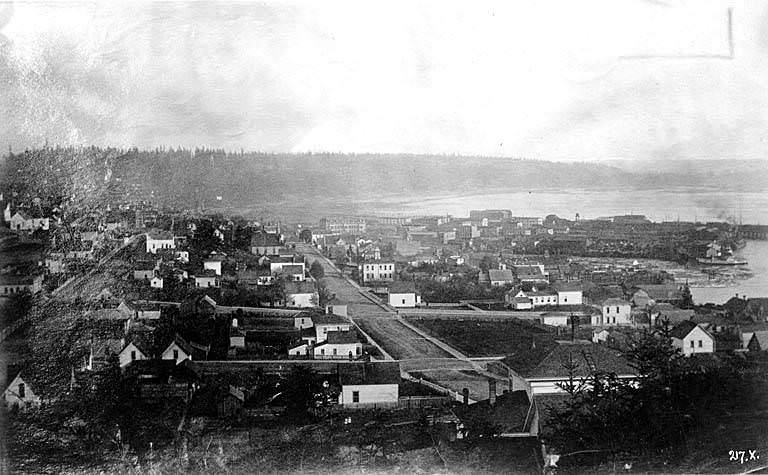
(188, 178)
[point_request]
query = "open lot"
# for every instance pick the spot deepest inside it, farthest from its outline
(486, 338)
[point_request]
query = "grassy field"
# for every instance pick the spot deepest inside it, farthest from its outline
(486, 338)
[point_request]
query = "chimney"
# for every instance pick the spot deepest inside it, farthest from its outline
(492, 391)
(465, 395)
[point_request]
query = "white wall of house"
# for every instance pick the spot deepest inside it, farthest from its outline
(570, 297)
(129, 354)
(301, 350)
(544, 300)
(206, 282)
(20, 394)
(213, 265)
(369, 394)
(696, 341)
(617, 314)
(302, 300)
(302, 322)
(550, 386)
(237, 341)
(555, 320)
(321, 330)
(377, 271)
(339, 351)
(154, 244)
(404, 300)
(156, 283)
(174, 352)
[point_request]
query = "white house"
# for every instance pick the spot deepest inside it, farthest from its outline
(299, 350)
(616, 312)
(140, 310)
(206, 279)
(159, 240)
(178, 350)
(500, 277)
(328, 323)
(569, 295)
(365, 385)
(549, 369)
(301, 294)
(402, 294)
(292, 272)
(132, 353)
(156, 282)
(376, 271)
(21, 221)
(691, 339)
(291, 265)
(19, 393)
(338, 345)
(538, 298)
(12, 284)
(213, 263)
(555, 319)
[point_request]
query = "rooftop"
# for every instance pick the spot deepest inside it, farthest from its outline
(500, 275)
(342, 337)
(402, 286)
(550, 361)
(380, 372)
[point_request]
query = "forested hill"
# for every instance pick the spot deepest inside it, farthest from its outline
(186, 178)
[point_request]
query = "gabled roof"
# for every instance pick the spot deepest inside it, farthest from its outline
(328, 319)
(292, 269)
(500, 275)
(682, 329)
(380, 372)
(550, 361)
(615, 301)
(402, 287)
(181, 343)
(761, 338)
(341, 337)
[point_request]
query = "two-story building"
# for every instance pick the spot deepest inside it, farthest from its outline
(11, 284)
(382, 270)
(615, 312)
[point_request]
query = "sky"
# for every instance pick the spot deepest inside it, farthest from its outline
(542, 79)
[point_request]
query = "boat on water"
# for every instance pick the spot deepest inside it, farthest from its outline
(711, 261)
(715, 257)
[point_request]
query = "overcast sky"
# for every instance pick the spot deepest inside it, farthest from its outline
(557, 80)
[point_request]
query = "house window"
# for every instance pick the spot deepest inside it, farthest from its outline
(617, 309)
(322, 351)
(607, 310)
(133, 355)
(176, 354)
(22, 391)
(334, 352)
(358, 350)
(692, 342)
(565, 299)
(701, 344)
(355, 396)
(403, 301)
